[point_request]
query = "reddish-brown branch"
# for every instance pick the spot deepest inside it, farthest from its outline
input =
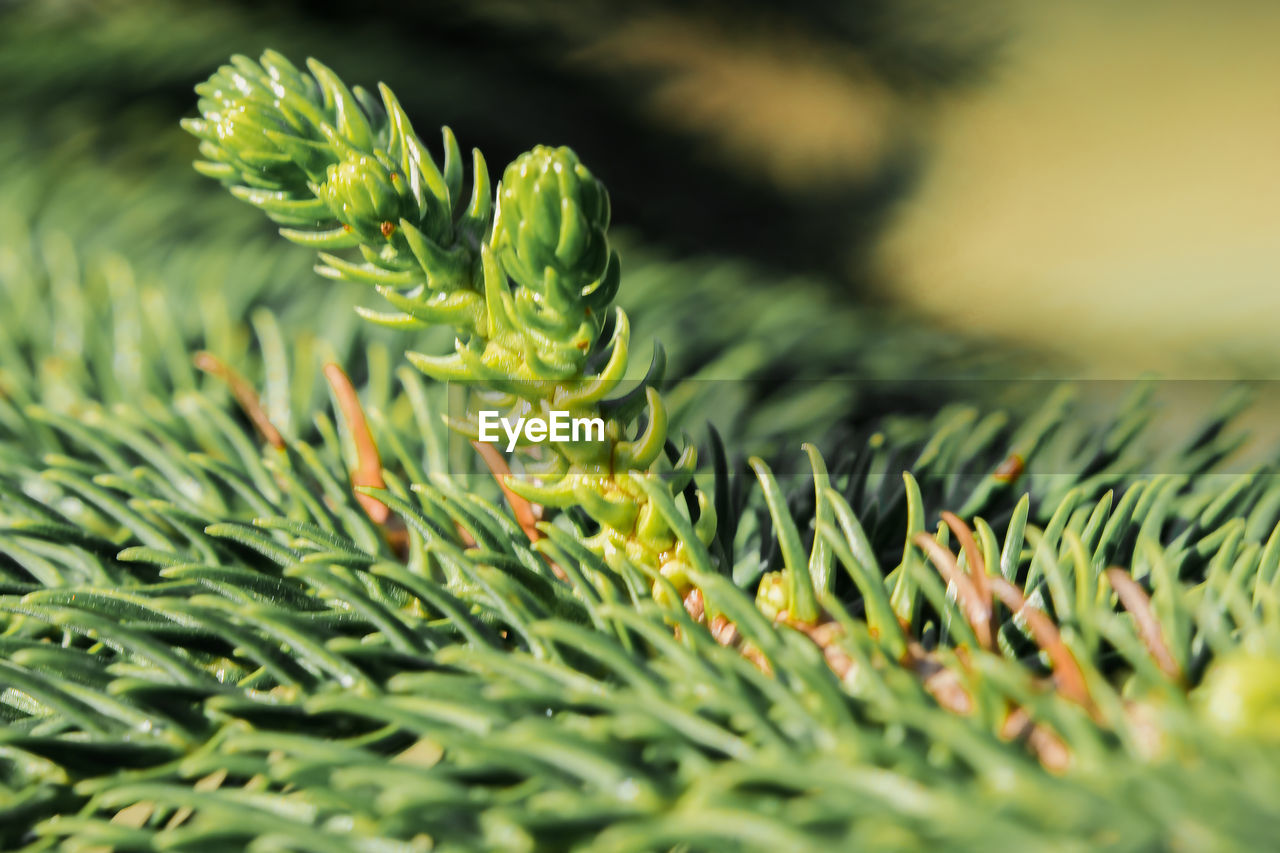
(1010, 469)
(723, 631)
(1134, 599)
(826, 635)
(525, 512)
(977, 611)
(368, 470)
(1044, 743)
(245, 395)
(943, 682)
(977, 566)
(1066, 671)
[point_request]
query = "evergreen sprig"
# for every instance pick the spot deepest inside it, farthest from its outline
(528, 294)
(206, 642)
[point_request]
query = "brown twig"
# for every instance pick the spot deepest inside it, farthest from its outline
(977, 567)
(1047, 746)
(1135, 600)
(527, 515)
(368, 471)
(1010, 469)
(1066, 671)
(942, 681)
(723, 631)
(977, 611)
(244, 395)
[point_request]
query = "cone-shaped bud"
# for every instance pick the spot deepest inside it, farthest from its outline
(242, 125)
(771, 596)
(364, 194)
(552, 215)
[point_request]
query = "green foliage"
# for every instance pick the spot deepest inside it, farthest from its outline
(205, 641)
(527, 295)
(220, 649)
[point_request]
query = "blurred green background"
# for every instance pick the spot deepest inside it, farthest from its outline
(910, 189)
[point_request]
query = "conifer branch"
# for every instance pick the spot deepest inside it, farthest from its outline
(524, 276)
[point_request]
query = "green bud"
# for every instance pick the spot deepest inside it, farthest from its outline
(677, 572)
(1241, 694)
(242, 128)
(364, 194)
(239, 115)
(771, 595)
(552, 215)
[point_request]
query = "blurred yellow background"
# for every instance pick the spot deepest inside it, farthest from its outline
(1114, 192)
(1109, 190)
